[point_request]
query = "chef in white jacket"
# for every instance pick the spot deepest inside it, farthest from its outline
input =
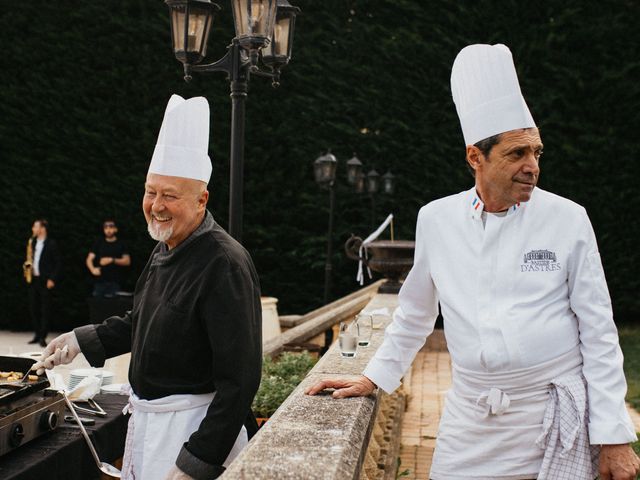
(538, 386)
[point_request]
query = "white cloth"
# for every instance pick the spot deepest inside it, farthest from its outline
(158, 429)
(568, 455)
(36, 257)
(183, 141)
(363, 247)
(485, 89)
(497, 416)
(521, 291)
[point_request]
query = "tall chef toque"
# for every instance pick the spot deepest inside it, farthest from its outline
(183, 141)
(485, 89)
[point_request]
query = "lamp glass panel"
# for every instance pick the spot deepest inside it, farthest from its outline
(281, 36)
(199, 25)
(388, 185)
(372, 184)
(360, 183)
(177, 22)
(254, 17)
(196, 29)
(318, 172)
(353, 172)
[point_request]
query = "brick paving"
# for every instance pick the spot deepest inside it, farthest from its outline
(426, 384)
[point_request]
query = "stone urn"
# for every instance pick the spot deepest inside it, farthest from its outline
(391, 258)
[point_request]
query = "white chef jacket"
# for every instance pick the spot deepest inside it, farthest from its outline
(525, 289)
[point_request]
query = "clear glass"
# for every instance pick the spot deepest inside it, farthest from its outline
(348, 339)
(364, 324)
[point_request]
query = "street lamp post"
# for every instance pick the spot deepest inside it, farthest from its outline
(259, 24)
(324, 169)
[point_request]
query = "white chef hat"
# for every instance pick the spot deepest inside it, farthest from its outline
(183, 141)
(485, 89)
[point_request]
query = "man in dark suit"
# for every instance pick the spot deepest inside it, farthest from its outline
(45, 275)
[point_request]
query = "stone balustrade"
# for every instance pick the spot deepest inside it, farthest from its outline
(305, 327)
(318, 437)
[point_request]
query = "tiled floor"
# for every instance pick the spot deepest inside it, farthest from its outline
(430, 378)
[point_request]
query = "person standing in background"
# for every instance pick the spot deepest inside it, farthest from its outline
(107, 260)
(42, 273)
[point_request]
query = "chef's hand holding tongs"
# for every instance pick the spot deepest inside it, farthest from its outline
(60, 351)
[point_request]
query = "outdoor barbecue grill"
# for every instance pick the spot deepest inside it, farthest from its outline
(27, 410)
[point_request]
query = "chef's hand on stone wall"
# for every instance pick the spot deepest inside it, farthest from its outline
(359, 386)
(60, 351)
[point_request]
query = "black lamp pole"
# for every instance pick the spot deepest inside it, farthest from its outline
(271, 31)
(239, 87)
(324, 169)
(328, 265)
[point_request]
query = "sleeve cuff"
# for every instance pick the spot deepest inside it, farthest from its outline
(611, 433)
(90, 345)
(378, 374)
(196, 468)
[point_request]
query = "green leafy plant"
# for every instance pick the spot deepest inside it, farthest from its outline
(279, 378)
(404, 473)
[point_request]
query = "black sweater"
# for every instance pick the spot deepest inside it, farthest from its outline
(195, 327)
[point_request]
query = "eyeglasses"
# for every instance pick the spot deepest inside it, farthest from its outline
(109, 225)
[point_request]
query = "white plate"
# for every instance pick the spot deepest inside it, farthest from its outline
(114, 388)
(76, 376)
(33, 355)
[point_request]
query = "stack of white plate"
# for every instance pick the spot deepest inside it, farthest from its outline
(114, 388)
(76, 376)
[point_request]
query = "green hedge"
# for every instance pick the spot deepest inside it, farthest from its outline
(83, 86)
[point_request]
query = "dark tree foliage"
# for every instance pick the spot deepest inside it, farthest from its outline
(83, 86)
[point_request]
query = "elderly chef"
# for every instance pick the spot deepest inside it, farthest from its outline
(195, 328)
(538, 384)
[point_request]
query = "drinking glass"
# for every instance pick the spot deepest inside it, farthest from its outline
(364, 324)
(348, 339)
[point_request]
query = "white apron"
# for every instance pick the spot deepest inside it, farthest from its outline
(491, 421)
(158, 429)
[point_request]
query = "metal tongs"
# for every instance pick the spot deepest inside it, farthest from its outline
(104, 467)
(98, 411)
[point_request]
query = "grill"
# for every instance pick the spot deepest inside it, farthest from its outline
(27, 410)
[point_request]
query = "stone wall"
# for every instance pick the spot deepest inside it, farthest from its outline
(323, 438)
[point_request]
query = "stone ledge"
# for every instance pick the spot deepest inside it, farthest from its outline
(317, 437)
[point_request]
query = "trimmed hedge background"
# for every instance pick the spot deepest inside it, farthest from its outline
(83, 86)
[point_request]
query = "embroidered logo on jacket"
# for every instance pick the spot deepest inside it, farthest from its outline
(540, 261)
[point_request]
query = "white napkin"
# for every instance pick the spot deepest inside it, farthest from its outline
(363, 248)
(86, 389)
(377, 311)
